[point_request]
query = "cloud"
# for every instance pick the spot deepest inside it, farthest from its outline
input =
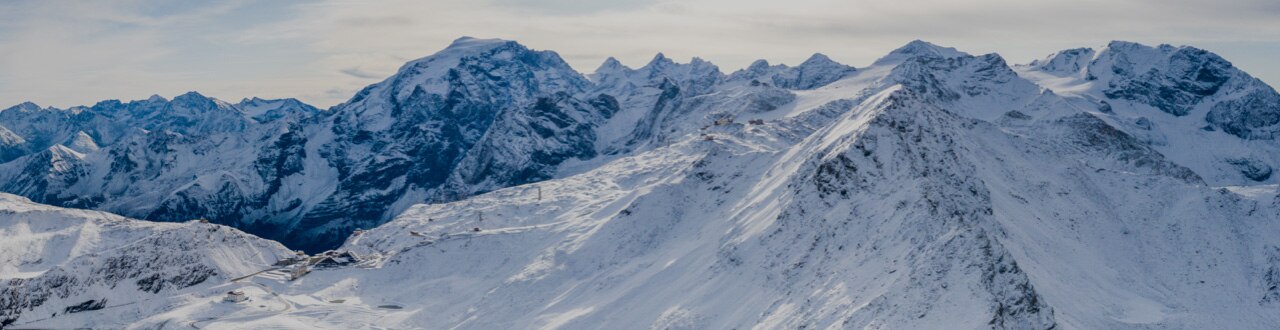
(73, 53)
(356, 72)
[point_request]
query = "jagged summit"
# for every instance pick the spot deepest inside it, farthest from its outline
(465, 62)
(659, 59)
(611, 64)
(1065, 62)
(1131, 46)
(1177, 98)
(817, 71)
(264, 110)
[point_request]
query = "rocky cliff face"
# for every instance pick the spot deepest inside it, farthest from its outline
(1176, 99)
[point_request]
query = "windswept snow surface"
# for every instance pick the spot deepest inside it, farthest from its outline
(1121, 188)
(66, 268)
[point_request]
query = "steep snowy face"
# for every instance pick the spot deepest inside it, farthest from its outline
(1066, 62)
(819, 70)
(526, 144)
(696, 77)
(232, 178)
(1177, 81)
(665, 100)
(885, 210)
(1192, 104)
(264, 111)
(466, 81)
(918, 49)
(82, 143)
(58, 262)
(11, 145)
(642, 94)
(647, 93)
(189, 114)
(44, 174)
(982, 87)
(1173, 80)
(513, 112)
(30, 128)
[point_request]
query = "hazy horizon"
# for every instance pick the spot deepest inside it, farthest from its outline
(62, 54)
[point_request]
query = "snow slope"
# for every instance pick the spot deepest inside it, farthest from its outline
(1192, 105)
(932, 189)
(57, 261)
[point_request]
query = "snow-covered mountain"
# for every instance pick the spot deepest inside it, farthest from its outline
(111, 121)
(1121, 187)
(1192, 105)
(63, 262)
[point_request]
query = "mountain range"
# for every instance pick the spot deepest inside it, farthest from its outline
(491, 185)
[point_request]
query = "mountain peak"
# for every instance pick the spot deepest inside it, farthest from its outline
(659, 59)
(190, 96)
(471, 42)
(921, 48)
(817, 58)
(59, 151)
(1066, 62)
(195, 100)
(28, 106)
(488, 67)
(1144, 54)
(817, 71)
(81, 142)
(1121, 44)
(611, 64)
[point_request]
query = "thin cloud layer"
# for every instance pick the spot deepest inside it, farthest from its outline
(61, 54)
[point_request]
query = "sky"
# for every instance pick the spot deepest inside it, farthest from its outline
(66, 53)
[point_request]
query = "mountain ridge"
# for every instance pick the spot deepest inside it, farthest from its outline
(642, 108)
(496, 188)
